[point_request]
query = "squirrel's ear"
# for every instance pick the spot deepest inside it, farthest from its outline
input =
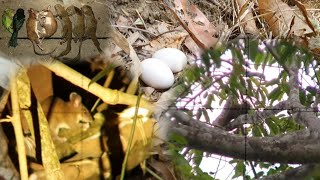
(49, 7)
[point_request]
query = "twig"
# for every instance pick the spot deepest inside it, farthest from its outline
(124, 164)
(144, 24)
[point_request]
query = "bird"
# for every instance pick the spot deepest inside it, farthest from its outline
(7, 19)
(17, 22)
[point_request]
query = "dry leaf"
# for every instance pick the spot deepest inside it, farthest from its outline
(279, 16)
(193, 47)
(163, 169)
(194, 22)
(120, 40)
(123, 21)
(302, 8)
(172, 39)
(117, 37)
(245, 15)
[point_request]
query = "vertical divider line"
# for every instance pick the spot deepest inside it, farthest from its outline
(246, 91)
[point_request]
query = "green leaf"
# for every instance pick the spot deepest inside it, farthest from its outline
(242, 83)
(263, 130)
(255, 81)
(177, 138)
(199, 113)
(238, 55)
(264, 89)
(274, 129)
(269, 59)
(216, 56)
(206, 116)
(285, 50)
(253, 51)
(264, 165)
(309, 100)
(205, 95)
(275, 94)
(206, 59)
(260, 174)
(302, 96)
(256, 131)
(223, 95)
(209, 101)
(250, 88)
(182, 165)
(239, 169)
(272, 171)
(191, 75)
(311, 90)
(272, 82)
(197, 157)
(285, 87)
(233, 81)
(259, 59)
(257, 95)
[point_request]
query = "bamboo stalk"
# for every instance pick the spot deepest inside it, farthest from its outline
(15, 120)
(107, 95)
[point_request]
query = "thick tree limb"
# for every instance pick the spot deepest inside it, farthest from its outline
(298, 147)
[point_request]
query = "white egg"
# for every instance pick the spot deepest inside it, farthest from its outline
(174, 58)
(156, 74)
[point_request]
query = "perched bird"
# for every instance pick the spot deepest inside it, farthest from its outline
(7, 17)
(17, 22)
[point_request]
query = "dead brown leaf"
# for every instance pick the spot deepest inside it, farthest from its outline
(194, 22)
(172, 39)
(117, 37)
(163, 169)
(123, 21)
(245, 15)
(120, 40)
(302, 8)
(279, 17)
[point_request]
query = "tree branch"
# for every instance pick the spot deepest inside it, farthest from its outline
(278, 149)
(258, 116)
(303, 115)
